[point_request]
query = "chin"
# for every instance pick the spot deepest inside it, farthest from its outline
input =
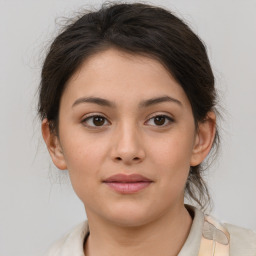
(131, 216)
(129, 221)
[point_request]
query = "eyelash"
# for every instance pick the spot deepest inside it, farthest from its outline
(167, 118)
(91, 117)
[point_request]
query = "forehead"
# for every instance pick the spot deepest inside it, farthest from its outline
(120, 76)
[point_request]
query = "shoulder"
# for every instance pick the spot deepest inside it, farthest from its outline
(242, 241)
(71, 243)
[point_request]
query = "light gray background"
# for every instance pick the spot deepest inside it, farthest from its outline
(34, 208)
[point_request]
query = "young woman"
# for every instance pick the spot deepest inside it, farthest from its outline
(127, 102)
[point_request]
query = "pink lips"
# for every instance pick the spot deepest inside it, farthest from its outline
(127, 184)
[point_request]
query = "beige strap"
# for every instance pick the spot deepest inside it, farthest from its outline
(215, 239)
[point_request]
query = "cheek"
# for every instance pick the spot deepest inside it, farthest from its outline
(82, 150)
(173, 150)
(84, 156)
(171, 156)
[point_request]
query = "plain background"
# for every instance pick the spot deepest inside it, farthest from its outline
(37, 204)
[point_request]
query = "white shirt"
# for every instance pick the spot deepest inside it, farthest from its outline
(242, 241)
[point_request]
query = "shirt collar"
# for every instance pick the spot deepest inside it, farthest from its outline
(192, 244)
(74, 241)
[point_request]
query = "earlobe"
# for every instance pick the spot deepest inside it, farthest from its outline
(53, 145)
(204, 139)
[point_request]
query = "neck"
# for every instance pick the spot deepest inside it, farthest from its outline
(164, 237)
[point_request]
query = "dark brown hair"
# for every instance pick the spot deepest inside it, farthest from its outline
(138, 29)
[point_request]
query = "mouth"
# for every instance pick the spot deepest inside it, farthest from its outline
(127, 184)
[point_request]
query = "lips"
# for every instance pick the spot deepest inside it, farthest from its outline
(127, 184)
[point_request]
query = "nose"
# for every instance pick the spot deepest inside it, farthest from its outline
(127, 146)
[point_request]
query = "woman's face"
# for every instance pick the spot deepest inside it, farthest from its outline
(124, 115)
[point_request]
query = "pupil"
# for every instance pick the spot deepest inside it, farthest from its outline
(159, 120)
(98, 121)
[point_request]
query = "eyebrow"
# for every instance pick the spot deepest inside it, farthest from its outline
(143, 104)
(95, 100)
(157, 100)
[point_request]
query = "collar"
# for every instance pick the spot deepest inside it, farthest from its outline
(206, 237)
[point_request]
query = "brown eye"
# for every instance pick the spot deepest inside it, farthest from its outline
(98, 120)
(95, 121)
(160, 120)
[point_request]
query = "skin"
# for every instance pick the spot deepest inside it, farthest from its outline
(129, 140)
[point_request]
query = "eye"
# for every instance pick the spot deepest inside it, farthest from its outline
(160, 120)
(95, 121)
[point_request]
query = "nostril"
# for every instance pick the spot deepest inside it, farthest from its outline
(135, 158)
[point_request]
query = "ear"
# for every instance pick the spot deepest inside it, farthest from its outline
(53, 145)
(204, 139)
